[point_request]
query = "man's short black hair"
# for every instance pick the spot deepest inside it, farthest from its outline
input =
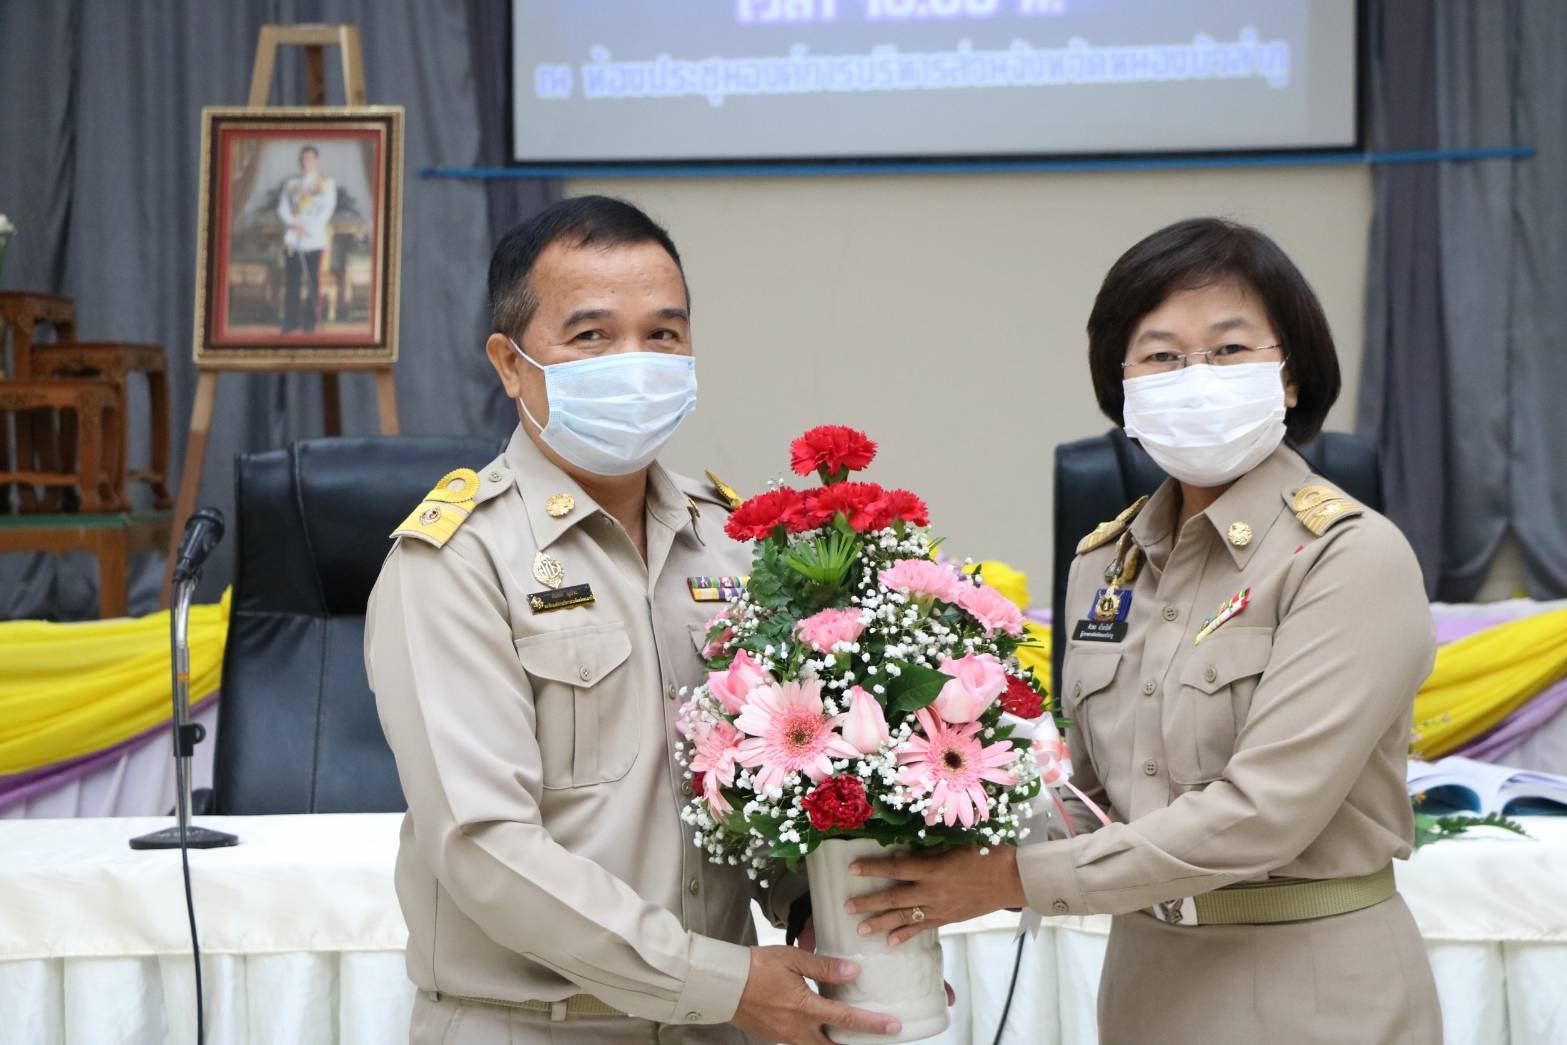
(1201, 252)
(583, 221)
(312, 150)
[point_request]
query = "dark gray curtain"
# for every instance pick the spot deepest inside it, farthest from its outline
(1464, 370)
(98, 168)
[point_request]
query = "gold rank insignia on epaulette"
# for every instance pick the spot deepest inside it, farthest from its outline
(443, 509)
(1320, 507)
(727, 492)
(1106, 532)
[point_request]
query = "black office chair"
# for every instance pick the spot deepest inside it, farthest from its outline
(297, 726)
(1098, 477)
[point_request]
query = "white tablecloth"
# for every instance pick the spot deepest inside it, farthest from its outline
(302, 939)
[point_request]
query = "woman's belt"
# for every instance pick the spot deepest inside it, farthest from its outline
(1261, 903)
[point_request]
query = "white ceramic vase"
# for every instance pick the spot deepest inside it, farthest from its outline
(903, 982)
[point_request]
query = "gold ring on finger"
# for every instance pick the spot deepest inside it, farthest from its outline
(917, 914)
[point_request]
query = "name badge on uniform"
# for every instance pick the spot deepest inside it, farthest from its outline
(716, 589)
(1106, 620)
(561, 598)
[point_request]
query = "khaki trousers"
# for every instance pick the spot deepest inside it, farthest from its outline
(1353, 979)
(452, 1021)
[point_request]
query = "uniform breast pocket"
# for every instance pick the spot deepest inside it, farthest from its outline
(1086, 676)
(1218, 678)
(588, 724)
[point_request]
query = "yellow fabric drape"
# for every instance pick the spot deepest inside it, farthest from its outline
(68, 690)
(1479, 680)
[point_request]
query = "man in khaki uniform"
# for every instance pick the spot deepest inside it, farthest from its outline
(528, 641)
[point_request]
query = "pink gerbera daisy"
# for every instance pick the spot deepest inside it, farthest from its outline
(717, 746)
(788, 732)
(949, 764)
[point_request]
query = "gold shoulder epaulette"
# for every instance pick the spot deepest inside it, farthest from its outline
(725, 491)
(443, 509)
(1106, 532)
(1320, 507)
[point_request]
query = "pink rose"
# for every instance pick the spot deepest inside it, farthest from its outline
(822, 631)
(717, 647)
(865, 726)
(921, 577)
(732, 686)
(994, 611)
(977, 680)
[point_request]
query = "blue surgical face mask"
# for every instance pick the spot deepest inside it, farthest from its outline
(612, 414)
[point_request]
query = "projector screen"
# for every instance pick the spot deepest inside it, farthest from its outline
(740, 81)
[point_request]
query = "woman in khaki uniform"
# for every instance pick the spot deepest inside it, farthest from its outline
(1243, 653)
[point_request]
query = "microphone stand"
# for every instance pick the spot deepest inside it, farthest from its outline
(187, 735)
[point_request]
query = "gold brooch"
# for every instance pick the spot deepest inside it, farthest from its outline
(547, 571)
(560, 505)
(1240, 534)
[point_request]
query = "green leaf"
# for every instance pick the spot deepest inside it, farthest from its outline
(914, 687)
(1430, 828)
(825, 561)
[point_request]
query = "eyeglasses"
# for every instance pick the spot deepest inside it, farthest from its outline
(1223, 355)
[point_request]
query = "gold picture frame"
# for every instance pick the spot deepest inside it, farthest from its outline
(299, 238)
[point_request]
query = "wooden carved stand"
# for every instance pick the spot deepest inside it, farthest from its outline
(315, 39)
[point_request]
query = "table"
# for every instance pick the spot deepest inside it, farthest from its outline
(112, 537)
(302, 939)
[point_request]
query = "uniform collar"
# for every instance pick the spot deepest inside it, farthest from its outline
(540, 481)
(1252, 500)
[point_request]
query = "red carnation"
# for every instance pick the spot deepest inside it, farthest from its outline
(896, 505)
(698, 782)
(838, 802)
(833, 450)
(856, 501)
(1021, 700)
(759, 516)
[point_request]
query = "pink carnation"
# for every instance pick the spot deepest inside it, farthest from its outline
(921, 577)
(822, 631)
(994, 611)
(733, 685)
(977, 680)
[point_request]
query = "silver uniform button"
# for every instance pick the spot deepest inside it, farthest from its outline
(1150, 767)
(1210, 675)
(584, 673)
(1171, 613)
(693, 1016)
(1060, 907)
(1150, 686)
(670, 691)
(695, 886)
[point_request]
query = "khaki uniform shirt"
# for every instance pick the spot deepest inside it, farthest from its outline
(1275, 748)
(543, 853)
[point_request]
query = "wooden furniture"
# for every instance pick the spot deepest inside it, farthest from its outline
(314, 39)
(94, 419)
(24, 312)
(22, 315)
(112, 538)
(115, 361)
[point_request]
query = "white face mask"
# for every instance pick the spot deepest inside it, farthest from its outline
(1208, 425)
(612, 414)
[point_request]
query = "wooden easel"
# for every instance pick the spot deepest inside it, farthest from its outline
(315, 39)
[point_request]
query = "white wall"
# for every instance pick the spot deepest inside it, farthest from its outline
(944, 315)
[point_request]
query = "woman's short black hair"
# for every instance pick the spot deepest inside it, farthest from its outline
(1200, 252)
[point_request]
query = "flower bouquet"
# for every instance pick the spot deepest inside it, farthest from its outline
(862, 695)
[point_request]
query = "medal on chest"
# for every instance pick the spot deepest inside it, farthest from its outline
(1106, 620)
(1228, 610)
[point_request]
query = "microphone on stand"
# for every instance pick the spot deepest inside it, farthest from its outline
(202, 533)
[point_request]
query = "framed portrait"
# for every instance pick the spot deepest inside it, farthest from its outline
(298, 237)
